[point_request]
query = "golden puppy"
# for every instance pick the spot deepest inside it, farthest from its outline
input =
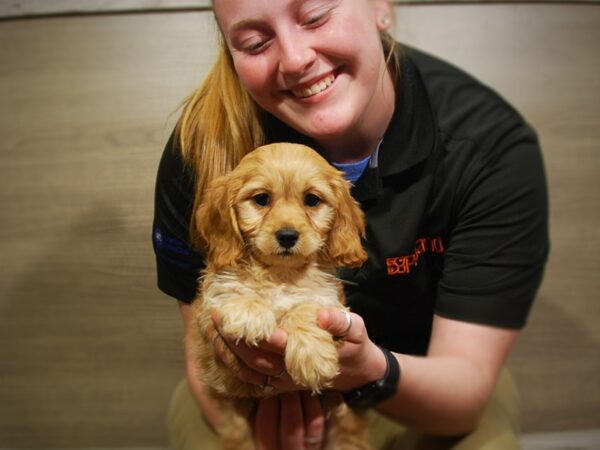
(274, 229)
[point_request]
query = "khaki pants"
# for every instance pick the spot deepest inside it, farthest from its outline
(498, 429)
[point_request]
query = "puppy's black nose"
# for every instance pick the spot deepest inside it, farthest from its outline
(287, 237)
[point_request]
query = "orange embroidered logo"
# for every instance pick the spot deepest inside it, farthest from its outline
(402, 265)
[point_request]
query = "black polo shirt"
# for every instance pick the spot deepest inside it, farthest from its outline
(456, 207)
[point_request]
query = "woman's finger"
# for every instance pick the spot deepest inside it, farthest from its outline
(283, 383)
(266, 424)
(258, 359)
(357, 352)
(221, 349)
(342, 324)
(314, 420)
(291, 427)
(239, 369)
(276, 342)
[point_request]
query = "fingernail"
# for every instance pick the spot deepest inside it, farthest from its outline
(323, 318)
(278, 337)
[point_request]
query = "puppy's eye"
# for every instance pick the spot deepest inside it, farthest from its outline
(312, 200)
(262, 199)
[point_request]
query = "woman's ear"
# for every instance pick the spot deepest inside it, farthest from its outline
(384, 14)
(345, 246)
(216, 224)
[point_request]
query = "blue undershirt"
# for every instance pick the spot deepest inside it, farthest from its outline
(353, 171)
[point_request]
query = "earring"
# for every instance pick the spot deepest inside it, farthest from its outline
(386, 21)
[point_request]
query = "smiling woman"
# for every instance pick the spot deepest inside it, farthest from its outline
(451, 182)
(298, 61)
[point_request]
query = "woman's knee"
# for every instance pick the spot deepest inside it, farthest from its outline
(187, 428)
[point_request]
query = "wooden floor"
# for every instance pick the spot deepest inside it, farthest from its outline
(572, 440)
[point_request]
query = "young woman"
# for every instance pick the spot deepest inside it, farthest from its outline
(451, 181)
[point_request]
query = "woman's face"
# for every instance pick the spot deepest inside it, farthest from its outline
(317, 65)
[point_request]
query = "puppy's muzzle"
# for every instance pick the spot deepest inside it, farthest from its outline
(287, 237)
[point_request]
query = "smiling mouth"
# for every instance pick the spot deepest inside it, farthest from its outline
(315, 88)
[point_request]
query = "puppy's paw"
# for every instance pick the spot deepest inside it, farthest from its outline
(247, 321)
(311, 359)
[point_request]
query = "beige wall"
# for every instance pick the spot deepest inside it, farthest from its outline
(89, 349)
(29, 8)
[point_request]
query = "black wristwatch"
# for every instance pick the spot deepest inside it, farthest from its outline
(372, 394)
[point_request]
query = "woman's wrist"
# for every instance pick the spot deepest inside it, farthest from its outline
(365, 368)
(378, 366)
(371, 394)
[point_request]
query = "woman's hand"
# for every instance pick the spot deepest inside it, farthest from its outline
(294, 421)
(261, 365)
(360, 360)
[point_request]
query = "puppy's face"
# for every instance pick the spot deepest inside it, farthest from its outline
(285, 207)
(288, 206)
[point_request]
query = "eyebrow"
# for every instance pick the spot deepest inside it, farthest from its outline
(244, 23)
(250, 23)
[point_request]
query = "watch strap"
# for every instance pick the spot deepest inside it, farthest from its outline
(373, 393)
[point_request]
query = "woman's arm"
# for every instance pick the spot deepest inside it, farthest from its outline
(443, 393)
(208, 407)
(447, 391)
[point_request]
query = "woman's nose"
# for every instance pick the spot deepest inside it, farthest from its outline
(296, 56)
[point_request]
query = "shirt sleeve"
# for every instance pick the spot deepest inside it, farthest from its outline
(497, 249)
(178, 265)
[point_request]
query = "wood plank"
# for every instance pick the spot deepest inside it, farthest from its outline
(36, 8)
(28, 8)
(90, 348)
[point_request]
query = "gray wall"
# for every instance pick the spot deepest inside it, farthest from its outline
(89, 349)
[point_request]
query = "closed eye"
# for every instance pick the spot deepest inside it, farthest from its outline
(315, 20)
(256, 47)
(317, 16)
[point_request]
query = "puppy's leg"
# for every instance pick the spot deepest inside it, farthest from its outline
(311, 358)
(247, 319)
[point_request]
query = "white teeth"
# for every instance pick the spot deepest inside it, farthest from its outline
(315, 88)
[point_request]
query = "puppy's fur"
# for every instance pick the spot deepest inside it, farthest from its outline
(274, 229)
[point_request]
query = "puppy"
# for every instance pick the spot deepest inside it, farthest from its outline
(274, 229)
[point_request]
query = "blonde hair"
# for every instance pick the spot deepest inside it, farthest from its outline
(219, 125)
(221, 122)
(392, 58)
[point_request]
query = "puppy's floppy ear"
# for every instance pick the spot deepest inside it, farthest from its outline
(216, 224)
(345, 248)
